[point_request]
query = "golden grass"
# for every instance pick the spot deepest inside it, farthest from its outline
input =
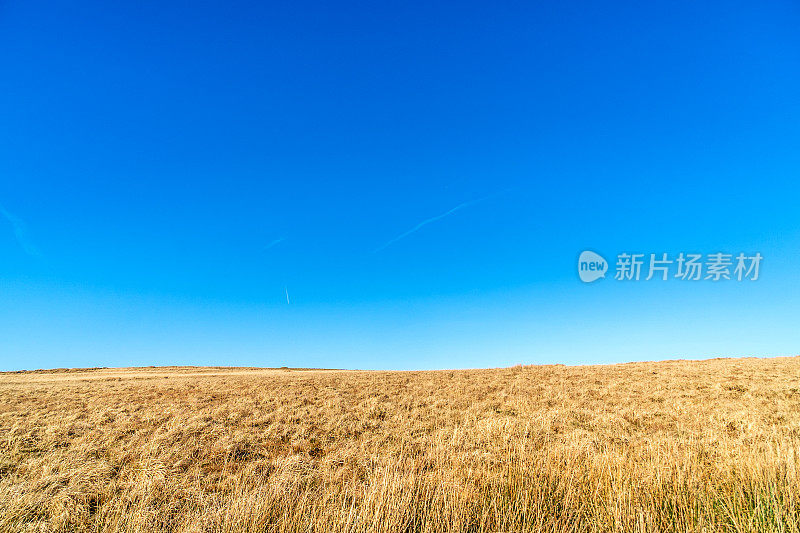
(673, 446)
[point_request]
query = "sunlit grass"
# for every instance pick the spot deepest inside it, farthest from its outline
(675, 446)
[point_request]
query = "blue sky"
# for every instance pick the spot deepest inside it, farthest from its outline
(394, 185)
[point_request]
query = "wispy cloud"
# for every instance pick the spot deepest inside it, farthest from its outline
(436, 218)
(274, 243)
(21, 233)
(287, 296)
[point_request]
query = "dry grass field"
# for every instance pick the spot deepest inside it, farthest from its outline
(673, 446)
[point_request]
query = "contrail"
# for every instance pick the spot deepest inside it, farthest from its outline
(287, 296)
(434, 219)
(21, 233)
(274, 243)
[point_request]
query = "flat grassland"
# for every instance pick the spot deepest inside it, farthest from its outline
(672, 446)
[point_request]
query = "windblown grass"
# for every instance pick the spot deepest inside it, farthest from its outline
(674, 446)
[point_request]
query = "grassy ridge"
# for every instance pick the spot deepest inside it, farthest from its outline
(673, 446)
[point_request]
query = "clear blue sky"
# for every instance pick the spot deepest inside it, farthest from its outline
(419, 178)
